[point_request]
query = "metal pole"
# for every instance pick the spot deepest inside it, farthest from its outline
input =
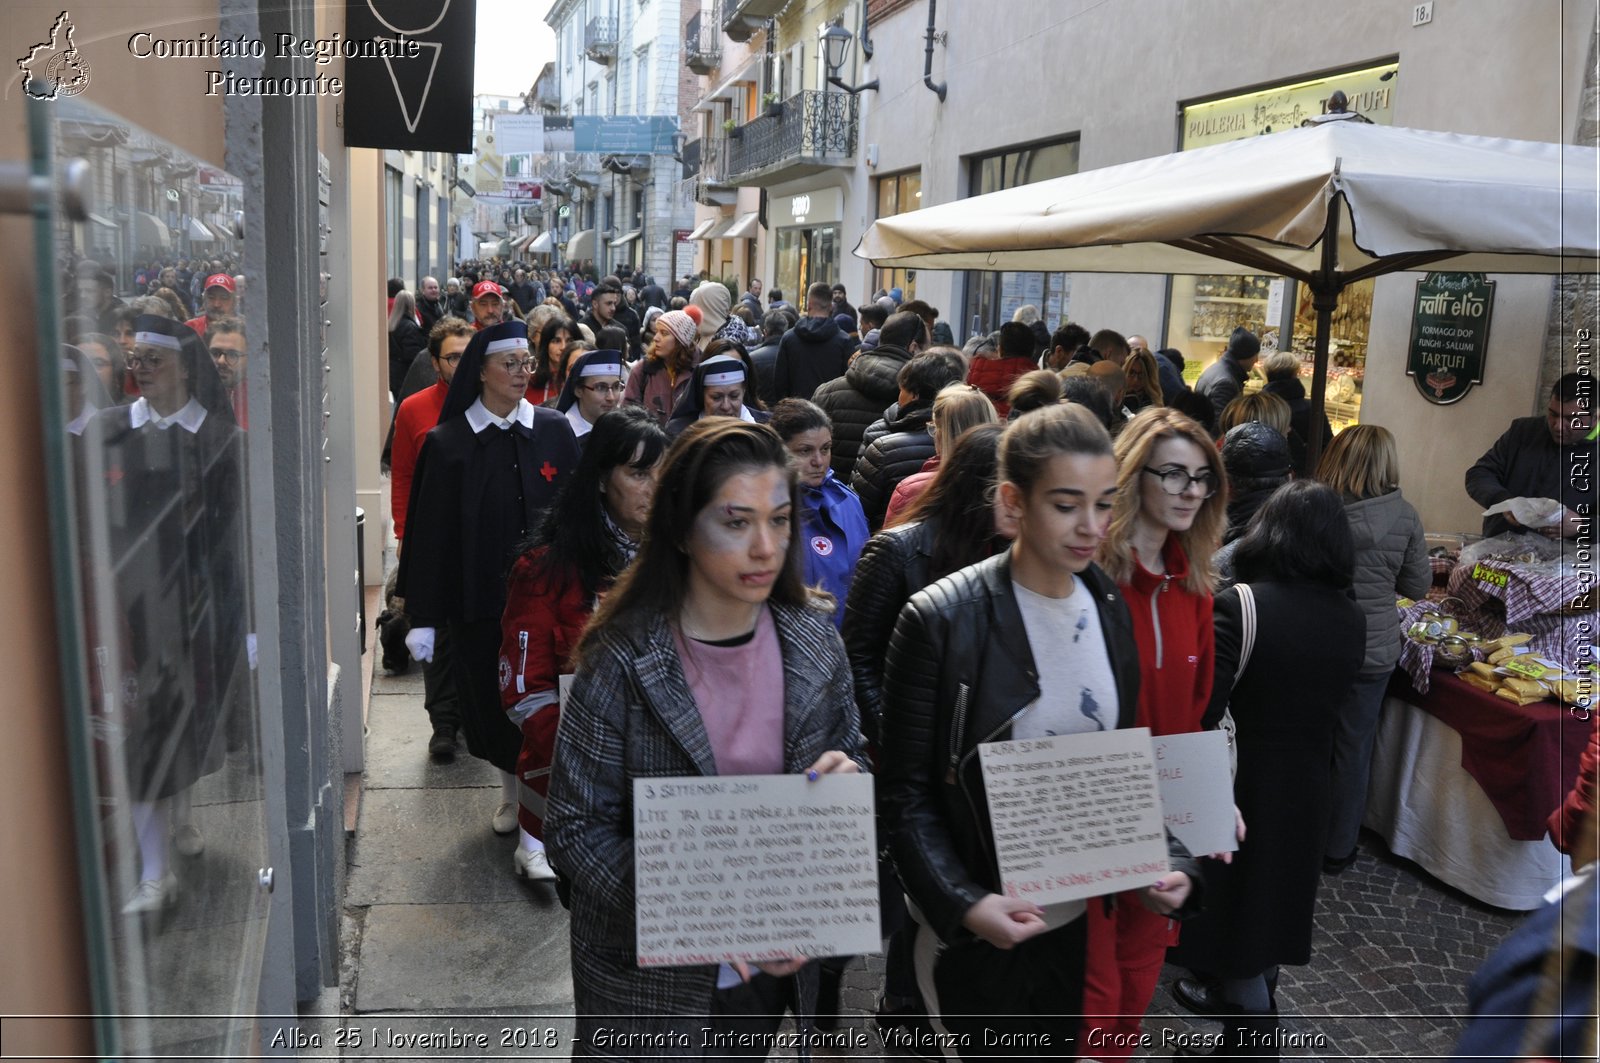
(1325, 287)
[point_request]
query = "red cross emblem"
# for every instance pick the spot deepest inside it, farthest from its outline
(548, 471)
(114, 475)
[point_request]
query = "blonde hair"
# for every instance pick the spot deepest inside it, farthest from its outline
(1361, 462)
(957, 408)
(1135, 444)
(1152, 374)
(1280, 365)
(1263, 406)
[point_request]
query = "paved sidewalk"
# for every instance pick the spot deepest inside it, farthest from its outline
(443, 943)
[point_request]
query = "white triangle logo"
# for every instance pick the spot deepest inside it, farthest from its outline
(413, 115)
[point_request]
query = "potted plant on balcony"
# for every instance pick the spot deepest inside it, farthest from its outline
(733, 129)
(774, 106)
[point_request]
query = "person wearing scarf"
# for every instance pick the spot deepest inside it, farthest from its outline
(593, 387)
(168, 470)
(662, 379)
(587, 537)
(483, 479)
(716, 389)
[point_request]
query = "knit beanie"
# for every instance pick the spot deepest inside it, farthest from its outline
(680, 324)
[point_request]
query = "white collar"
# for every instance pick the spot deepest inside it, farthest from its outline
(745, 415)
(191, 416)
(580, 427)
(479, 417)
(80, 422)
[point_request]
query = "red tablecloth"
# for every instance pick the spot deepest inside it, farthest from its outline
(1524, 756)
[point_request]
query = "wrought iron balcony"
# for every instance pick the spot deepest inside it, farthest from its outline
(545, 96)
(690, 158)
(600, 40)
(711, 185)
(742, 18)
(702, 42)
(815, 131)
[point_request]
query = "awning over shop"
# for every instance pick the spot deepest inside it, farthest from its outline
(102, 221)
(488, 248)
(703, 228)
(581, 245)
(626, 238)
(541, 244)
(720, 230)
(522, 242)
(149, 229)
(724, 89)
(744, 228)
(199, 234)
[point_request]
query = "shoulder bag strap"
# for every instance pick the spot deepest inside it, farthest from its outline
(1247, 621)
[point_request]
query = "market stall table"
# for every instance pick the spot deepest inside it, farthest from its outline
(1463, 782)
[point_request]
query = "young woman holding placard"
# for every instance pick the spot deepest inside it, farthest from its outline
(709, 657)
(1032, 642)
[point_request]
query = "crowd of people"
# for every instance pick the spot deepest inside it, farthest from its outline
(644, 533)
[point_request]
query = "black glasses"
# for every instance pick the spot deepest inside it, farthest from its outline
(150, 361)
(605, 389)
(452, 360)
(222, 352)
(1177, 481)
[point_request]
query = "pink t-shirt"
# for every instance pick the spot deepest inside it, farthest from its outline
(739, 691)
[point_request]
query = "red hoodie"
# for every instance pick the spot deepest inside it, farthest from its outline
(1177, 645)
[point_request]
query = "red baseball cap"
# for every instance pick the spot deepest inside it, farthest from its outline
(221, 280)
(483, 288)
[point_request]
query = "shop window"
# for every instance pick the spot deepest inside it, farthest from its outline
(993, 297)
(897, 194)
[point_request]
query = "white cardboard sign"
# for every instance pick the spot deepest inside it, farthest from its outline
(1197, 790)
(1075, 816)
(754, 867)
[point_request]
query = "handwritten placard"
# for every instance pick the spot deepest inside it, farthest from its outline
(754, 867)
(1197, 790)
(1075, 816)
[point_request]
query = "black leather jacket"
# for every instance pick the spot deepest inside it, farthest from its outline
(892, 566)
(958, 673)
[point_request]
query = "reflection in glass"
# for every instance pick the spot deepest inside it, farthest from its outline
(154, 368)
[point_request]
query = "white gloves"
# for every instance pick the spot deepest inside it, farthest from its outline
(419, 640)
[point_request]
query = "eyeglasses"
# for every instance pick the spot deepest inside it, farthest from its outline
(450, 360)
(145, 361)
(604, 389)
(230, 355)
(1177, 481)
(521, 365)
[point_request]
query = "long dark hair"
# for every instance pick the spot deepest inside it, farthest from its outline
(1299, 535)
(573, 532)
(699, 462)
(959, 503)
(542, 369)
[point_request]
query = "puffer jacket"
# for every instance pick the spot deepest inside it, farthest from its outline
(994, 377)
(893, 566)
(891, 458)
(1391, 556)
(959, 671)
(858, 398)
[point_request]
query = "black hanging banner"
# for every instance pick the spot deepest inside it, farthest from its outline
(413, 90)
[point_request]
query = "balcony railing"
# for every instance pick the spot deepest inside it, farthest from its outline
(742, 18)
(600, 40)
(711, 185)
(545, 95)
(702, 41)
(815, 130)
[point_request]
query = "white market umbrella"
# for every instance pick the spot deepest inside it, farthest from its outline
(1326, 205)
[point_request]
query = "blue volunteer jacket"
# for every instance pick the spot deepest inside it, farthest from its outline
(835, 529)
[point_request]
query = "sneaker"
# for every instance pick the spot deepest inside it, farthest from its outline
(153, 895)
(188, 840)
(532, 865)
(442, 746)
(505, 818)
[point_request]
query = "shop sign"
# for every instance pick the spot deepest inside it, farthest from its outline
(1449, 335)
(1286, 106)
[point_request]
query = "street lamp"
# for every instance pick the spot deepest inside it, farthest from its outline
(836, 43)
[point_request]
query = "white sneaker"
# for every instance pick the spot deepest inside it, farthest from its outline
(505, 818)
(188, 840)
(153, 895)
(532, 865)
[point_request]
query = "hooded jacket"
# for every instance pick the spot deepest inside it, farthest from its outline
(1391, 556)
(856, 399)
(714, 302)
(812, 353)
(886, 461)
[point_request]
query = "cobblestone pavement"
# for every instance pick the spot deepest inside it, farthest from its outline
(440, 937)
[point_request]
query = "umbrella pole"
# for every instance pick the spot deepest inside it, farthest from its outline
(1325, 287)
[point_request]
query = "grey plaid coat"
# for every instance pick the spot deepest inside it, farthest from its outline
(630, 715)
